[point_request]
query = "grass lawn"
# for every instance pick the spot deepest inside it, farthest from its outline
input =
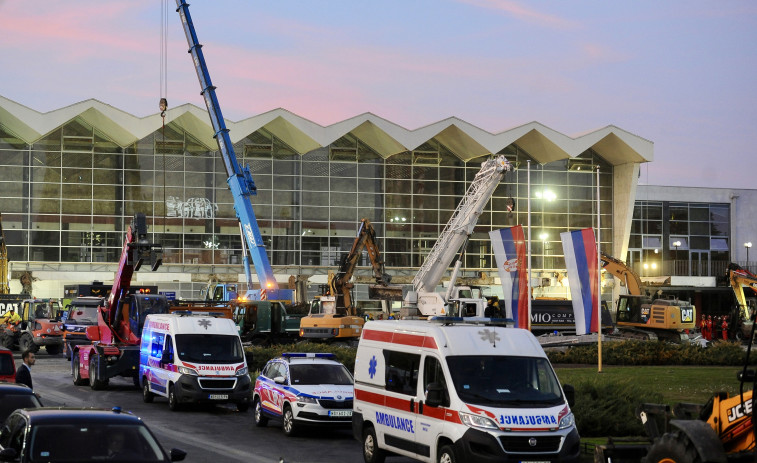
(676, 383)
(694, 384)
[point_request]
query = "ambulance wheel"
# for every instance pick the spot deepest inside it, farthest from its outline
(673, 447)
(446, 454)
(94, 381)
(290, 426)
(260, 419)
(147, 396)
(27, 343)
(53, 349)
(371, 451)
(78, 381)
(173, 401)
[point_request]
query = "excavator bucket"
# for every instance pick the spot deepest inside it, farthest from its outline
(386, 293)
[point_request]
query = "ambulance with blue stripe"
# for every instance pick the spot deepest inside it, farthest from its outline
(459, 390)
(302, 389)
(193, 357)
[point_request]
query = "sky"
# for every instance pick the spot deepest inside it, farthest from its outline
(680, 73)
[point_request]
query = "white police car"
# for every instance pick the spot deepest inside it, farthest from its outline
(304, 389)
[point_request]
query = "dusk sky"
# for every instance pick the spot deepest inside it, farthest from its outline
(682, 74)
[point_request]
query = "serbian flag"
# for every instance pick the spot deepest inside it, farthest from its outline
(581, 260)
(509, 247)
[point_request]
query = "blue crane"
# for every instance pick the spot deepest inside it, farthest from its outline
(240, 181)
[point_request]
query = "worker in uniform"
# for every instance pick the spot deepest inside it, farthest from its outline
(11, 317)
(724, 327)
(708, 326)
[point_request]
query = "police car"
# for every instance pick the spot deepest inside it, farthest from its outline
(304, 389)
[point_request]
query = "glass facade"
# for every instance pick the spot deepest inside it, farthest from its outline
(69, 197)
(680, 238)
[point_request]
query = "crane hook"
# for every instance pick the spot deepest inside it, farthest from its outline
(163, 107)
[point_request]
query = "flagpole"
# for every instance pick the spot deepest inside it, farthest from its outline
(528, 282)
(599, 280)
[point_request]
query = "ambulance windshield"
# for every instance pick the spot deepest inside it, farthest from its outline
(209, 348)
(505, 381)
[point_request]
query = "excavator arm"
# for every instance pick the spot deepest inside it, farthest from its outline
(738, 278)
(619, 269)
(340, 285)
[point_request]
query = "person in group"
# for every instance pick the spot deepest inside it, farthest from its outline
(119, 449)
(10, 317)
(24, 372)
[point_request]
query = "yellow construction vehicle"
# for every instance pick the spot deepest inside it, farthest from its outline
(738, 278)
(640, 316)
(333, 314)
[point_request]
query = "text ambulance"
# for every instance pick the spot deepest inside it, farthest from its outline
(452, 390)
(194, 358)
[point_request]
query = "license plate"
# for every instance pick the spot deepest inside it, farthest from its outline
(219, 396)
(340, 412)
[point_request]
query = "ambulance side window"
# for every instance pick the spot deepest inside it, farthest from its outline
(433, 373)
(167, 356)
(401, 372)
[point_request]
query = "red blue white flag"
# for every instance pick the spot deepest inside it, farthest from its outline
(509, 246)
(583, 266)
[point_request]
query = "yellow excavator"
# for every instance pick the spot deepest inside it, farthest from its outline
(333, 315)
(641, 316)
(738, 278)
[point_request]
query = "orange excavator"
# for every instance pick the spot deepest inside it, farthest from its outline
(333, 315)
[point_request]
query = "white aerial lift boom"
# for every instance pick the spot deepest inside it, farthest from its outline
(423, 300)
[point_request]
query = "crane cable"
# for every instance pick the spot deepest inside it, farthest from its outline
(163, 104)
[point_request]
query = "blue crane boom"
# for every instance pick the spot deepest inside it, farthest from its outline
(240, 181)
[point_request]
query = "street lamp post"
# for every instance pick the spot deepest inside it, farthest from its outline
(676, 244)
(747, 245)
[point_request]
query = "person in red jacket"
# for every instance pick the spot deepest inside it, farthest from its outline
(724, 326)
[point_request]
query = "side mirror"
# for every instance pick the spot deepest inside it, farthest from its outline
(434, 395)
(8, 454)
(178, 455)
(570, 394)
(166, 358)
(280, 380)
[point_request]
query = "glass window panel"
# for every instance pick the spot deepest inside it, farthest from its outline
(719, 244)
(701, 213)
(343, 184)
(581, 221)
(719, 229)
(679, 213)
(679, 227)
(699, 228)
(700, 242)
(719, 213)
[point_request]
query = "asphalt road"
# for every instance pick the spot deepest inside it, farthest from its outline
(216, 434)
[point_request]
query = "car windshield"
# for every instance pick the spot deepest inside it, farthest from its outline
(11, 402)
(85, 315)
(93, 442)
(319, 373)
(209, 348)
(498, 380)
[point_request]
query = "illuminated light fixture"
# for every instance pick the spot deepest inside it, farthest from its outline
(654, 265)
(646, 266)
(548, 195)
(747, 245)
(543, 236)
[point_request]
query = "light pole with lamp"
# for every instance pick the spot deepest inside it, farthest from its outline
(676, 244)
(747, 245)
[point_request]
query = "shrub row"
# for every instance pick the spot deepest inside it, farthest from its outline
(258, 356)
(654, 353)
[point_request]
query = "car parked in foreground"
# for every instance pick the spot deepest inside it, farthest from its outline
(304, 389)
(7, 365)
(81, 435)
(14, 396)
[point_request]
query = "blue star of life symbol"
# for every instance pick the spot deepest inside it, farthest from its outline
(372, 367)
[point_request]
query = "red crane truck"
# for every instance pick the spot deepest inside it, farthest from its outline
(115, 339)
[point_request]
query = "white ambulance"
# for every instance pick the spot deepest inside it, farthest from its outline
(193, 358)
(459, 390)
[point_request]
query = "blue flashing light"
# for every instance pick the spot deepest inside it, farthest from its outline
(322, 355)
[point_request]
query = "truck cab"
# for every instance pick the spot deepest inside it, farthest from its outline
(80, 313)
